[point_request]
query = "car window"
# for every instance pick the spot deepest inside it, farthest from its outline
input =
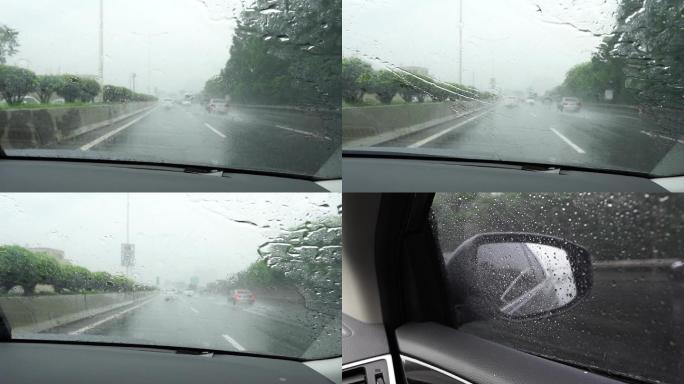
(443, 92)
(97, 73)
(162, 269)
(630, 322)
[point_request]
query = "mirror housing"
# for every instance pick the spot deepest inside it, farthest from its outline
(518, 276)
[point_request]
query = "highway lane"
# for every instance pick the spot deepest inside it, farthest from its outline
(212, 322)
(276, 141)
(596, 138)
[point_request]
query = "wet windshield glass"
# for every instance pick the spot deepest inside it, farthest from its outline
(585, 83)
(90, 79)
(629, 323)
(240, 273)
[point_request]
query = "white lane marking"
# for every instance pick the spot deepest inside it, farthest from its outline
(627, 117)
(99, 140)
(567, 141)
(301, 132)
(233, 343)
(651, 134)
(194, 310)
(444, 132)
(215, 130)
(106, 319)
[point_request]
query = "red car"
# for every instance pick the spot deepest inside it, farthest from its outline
(238, 296)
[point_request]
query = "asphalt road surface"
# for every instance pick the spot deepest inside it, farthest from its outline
(593, 137)
(631, 322)
(212, 322)
(270, 141)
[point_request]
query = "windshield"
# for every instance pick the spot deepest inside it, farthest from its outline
(600, 83)
(227, 272)
(100, 72)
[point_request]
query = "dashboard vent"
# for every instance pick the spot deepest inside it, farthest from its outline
(354, 376)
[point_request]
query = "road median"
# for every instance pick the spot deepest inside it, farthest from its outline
(38, 128)
(32, 314)
(368, 126)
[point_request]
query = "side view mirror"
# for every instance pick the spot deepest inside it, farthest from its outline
(518, 275)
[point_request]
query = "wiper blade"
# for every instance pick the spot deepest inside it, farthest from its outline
(5, 330)
(474, 160)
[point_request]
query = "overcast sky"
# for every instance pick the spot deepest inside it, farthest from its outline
(176, 236)
(510, 40)
(62, 37)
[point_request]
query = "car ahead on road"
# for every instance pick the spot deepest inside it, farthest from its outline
(530, 101)
(242, 296)
(189, 293)
(219, 106)
(510, 101)
(569, 104)
(186, 103)
(512, 288)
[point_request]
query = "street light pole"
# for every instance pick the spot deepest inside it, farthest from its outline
(101, 72)
(460, 42)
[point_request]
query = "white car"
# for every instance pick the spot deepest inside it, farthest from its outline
(217, 106)
(530, 101)
(186, 103)
(570, 104)
(189, 293)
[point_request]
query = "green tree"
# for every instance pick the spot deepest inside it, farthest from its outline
(47, 85)
(356, 79)
(15, 83)
(8, 43)
(19, 266)
(215, 88)
(70, 88)
(385, 85)
(287, 57)
(89, 90)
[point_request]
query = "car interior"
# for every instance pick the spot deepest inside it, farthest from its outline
(55, 175)
(396, 323)
(392, 171)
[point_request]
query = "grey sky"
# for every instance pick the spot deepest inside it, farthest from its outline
(62, 37)
(176, 235)
(506, 39)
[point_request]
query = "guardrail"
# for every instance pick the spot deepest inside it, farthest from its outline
(31, 314)
(36, 128)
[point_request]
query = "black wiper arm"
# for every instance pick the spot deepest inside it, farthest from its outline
(5, 330)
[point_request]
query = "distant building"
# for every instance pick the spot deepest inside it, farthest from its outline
(417, 71)
(54, 253)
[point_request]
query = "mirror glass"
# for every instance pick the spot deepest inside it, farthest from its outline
(522, 279)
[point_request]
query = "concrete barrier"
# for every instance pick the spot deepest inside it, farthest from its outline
(37, 128)
(365, 126)
(38, 313)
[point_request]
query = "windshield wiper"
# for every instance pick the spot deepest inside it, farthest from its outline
(407, 153)
(5, 330)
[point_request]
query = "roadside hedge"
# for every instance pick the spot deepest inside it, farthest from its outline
(22, 267)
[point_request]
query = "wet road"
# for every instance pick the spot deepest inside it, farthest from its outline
(190, 135)
(268, 327)
(631, 321)
(594, 137)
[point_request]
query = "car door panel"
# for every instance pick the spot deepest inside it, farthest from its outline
(470, 359)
